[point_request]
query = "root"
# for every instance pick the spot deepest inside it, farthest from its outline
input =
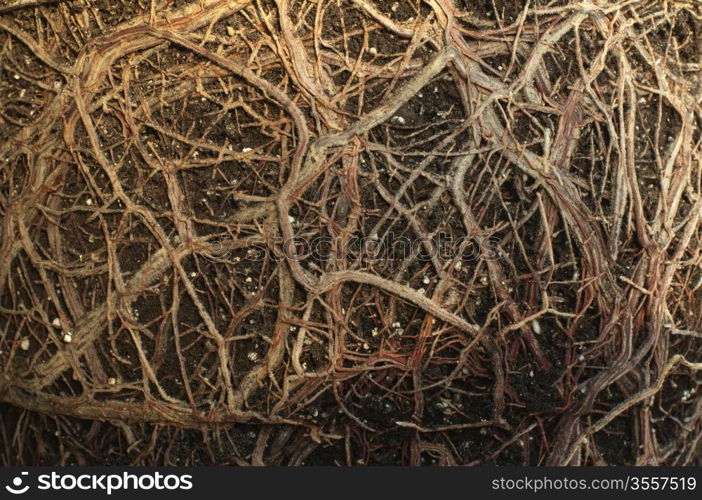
(358, 226)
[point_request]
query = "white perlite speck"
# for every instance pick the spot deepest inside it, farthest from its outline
(24, 345)
(68, 337)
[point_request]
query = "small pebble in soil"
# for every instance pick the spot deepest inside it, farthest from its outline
(366, 346)
(374, 332)
(396, 324)
(68, 337)
(253, 356)
(56, 322)
(484, 280)
(395, 6)
(246, 150)
(111, 381)
(89, 201)
(248, 279)
(536, 327)
(426, 280)
(373, 51)
(24, 345)
(398, 119)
